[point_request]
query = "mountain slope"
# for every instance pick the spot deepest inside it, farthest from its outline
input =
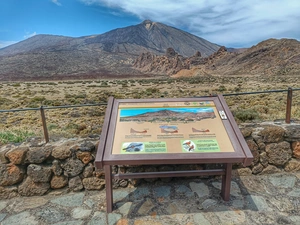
(110, 54)
(154, 37)
(269, 57)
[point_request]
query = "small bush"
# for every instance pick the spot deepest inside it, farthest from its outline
(246, 115)
(14, 136)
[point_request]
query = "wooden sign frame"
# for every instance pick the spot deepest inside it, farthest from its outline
(170, 131)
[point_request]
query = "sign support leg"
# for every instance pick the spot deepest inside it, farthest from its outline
(226, 182)
(108, 187)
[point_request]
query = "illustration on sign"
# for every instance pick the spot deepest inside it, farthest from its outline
(166, 114)
(206, 145)
(144, 147)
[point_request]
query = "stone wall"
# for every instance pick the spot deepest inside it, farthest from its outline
(35, 168)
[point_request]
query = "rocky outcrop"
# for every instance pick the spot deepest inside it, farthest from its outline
(169, 64)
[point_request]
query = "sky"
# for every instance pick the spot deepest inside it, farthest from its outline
(232, 23)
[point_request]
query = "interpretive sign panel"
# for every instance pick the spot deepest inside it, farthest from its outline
(170, 131)
(170, 127)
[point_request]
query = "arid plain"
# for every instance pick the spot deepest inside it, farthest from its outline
(84, 121)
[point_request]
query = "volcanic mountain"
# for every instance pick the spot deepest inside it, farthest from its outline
(112, 54)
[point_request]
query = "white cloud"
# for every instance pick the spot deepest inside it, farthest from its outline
(6, 43)
(56, 2)
(28, 35)
(226, 22)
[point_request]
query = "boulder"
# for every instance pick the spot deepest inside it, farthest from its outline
(296, 149)
(254, 150)
(10, 174)
(257, 169)
(242, 172)
(63, 150)
(292, 132)
(87, 146)
(259, 141)
(263, 159)
(38, 154)
(75, 184)
(8, 192)
(272, 134)
(197, 54)
(17, 155)
(56, 167)
(270, 169)
(88, 170)
(72, 167)
(30, 188)
(292, 165)
(279, 153)
(85, 157)
(93, 183)
(39, 173)
(246, 131)
(170, 52)
(58, 182)
(3, 150)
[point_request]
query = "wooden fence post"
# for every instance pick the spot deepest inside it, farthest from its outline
(289, 105)
(46, 135)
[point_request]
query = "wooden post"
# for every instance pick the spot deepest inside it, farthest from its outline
(46, 135)
(108, 187)
(289, 105)
(226, 182)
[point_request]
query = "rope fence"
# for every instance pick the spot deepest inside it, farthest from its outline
(43, 108)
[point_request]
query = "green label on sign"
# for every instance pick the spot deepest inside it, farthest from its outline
(144, 147)
(206, 145)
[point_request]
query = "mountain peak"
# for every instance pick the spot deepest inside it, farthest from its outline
(147, 22)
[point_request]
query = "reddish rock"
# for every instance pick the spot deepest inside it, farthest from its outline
(58, 182)
(17, 155)
(296, 149)
(93, 183)
(30, 188)
(10, 174)
(85, 157)
(279, 153)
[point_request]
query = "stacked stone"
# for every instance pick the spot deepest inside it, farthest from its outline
(274, 147)
(34, 168)
(29, 170)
